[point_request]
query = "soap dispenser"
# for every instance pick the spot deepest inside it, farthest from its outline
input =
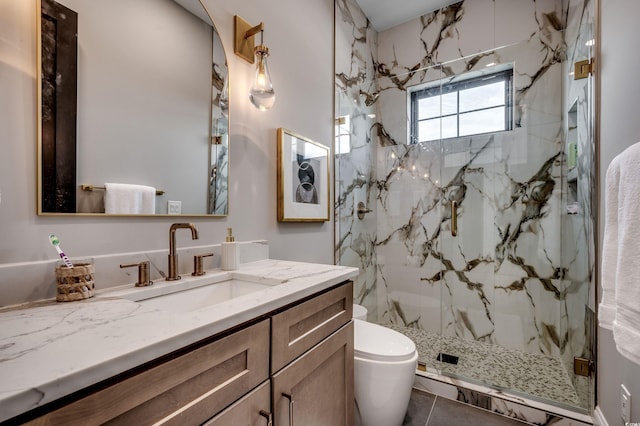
(230, 258)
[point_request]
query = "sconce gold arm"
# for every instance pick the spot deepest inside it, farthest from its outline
(253, 31)
(243, 38)
(454, 218)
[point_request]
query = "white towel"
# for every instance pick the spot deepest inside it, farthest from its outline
(622, 230)
(123, 198)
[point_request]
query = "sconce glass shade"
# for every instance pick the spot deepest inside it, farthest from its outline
(262, 95)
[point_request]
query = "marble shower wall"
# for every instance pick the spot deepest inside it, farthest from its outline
(355, 59)
(503, 279)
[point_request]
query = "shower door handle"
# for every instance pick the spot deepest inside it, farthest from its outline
(454, 218)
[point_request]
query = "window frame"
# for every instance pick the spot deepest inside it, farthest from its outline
(455, 85)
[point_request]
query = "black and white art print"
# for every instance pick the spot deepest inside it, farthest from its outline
(303, 179)
(305, 185)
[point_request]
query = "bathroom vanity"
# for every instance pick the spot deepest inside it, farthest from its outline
(282, 354)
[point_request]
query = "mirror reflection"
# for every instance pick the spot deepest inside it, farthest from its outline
(134, 109)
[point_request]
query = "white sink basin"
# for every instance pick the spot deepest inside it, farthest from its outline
(201, 297)
(194, 293)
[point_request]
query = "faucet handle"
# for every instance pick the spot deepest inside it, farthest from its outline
(143, 273)
(197, 264)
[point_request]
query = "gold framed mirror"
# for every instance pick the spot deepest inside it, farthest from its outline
(132, 96)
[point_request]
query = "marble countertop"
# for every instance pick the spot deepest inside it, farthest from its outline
(49, 349)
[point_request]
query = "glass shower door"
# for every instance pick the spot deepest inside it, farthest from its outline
(467, 256)
(459, 257)
(579, 210)
(517, 237)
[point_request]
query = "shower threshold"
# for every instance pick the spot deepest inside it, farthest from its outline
(534, 377)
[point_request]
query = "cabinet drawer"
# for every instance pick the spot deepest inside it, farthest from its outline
(189, 389)
(299, 328)
(252, 409)
(317, 388)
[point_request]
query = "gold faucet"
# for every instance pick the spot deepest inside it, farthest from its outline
(173, 257)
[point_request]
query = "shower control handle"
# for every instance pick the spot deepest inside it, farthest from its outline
(290, 399)
(362, 210)
(454, 218)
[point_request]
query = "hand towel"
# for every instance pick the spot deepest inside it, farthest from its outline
(607, 308)
(123, 198)
(626, 323)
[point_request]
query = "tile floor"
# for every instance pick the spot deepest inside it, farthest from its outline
(426, 409)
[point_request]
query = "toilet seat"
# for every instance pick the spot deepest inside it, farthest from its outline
(378, 343)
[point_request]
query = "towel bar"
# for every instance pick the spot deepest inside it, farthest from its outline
(86, 187)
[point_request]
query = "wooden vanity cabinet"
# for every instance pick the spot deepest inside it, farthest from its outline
(253, 409)
(303, 352)
(188, 389)
(312, 361)
(317, 388)
(301, 327)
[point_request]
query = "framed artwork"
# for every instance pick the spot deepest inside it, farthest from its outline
(303, 179)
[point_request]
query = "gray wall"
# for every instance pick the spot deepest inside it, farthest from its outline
(619, 128)
(301, 76)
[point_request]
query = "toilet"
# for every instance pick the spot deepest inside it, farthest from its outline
(359, 312)
(385, 366)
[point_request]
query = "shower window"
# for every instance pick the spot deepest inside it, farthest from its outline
(464, 105)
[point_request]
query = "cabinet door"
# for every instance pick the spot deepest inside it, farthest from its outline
(299, 328)
(317, 388)
(254, 409)
(186, 390)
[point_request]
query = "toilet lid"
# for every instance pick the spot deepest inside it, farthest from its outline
(372, 341)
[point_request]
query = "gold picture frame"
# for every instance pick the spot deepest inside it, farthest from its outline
(303, 179)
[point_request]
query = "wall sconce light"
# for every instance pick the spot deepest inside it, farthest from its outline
(262, 95)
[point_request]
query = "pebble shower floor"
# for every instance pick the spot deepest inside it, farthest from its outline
(539, 376)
